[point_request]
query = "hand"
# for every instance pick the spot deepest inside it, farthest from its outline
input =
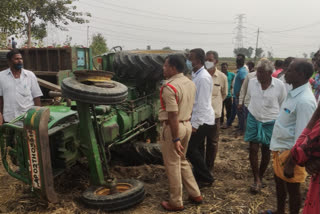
(179, 148)
(240, 107)
(313, 166)
(194, 130)
(288, 170)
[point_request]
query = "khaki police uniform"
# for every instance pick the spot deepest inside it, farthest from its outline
(178, 168)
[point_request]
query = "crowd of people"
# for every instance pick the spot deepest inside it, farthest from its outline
(276, 106)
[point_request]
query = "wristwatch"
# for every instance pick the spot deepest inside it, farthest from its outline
(176, 140)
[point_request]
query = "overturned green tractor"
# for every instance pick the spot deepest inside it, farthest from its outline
(115, 116)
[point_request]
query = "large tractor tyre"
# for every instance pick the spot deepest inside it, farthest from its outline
(129, 193)
(114, 93)
(141, 64)
(138, 153)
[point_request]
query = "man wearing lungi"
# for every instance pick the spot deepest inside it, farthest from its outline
(266, 95)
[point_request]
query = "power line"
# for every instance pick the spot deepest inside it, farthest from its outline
(152, 29)
(128, 38)
(153, 13)
(296, 28)
(162, 17)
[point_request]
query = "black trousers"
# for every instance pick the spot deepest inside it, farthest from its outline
(227, 104)
(195, 153)
(212, 145)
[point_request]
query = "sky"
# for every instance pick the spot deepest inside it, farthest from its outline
(287, 27)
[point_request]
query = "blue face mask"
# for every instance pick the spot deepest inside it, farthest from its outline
(18, 66)
(189, 65)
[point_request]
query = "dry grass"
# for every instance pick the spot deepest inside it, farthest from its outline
(229, 194)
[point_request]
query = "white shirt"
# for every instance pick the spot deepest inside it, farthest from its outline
(265, 104)
(18, 94)
(202, 112)
(295, 113)
(243, 98)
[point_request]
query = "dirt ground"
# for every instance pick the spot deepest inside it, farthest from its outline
(229, 194)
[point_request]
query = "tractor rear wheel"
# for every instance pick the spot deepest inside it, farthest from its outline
(141, 64)
(129, 193)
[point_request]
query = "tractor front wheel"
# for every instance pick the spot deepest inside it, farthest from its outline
(94, 88)
(129, 193)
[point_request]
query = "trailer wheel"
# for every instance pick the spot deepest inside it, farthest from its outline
(130, 192)
(107, 93)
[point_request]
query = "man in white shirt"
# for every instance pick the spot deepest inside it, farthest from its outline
(266, 95)
(19, 89)
(202, 119)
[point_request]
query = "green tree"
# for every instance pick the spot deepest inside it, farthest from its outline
(9, 20)
(270, 55)
(249, 52)
(245, 51)
(166, 48)
(259, 52)
(37, 13)
(312, 54)
(10, 17)
(98, 45)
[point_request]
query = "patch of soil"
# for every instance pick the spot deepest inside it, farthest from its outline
(228, 195)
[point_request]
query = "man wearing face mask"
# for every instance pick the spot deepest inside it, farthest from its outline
(202, 119)
(219, 93)
(19, 89)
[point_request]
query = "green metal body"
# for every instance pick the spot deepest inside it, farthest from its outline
(89, 143)
(87, 131)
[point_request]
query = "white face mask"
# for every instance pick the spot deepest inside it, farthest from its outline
(208, 64)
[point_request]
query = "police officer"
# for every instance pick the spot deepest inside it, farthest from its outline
(177, 97)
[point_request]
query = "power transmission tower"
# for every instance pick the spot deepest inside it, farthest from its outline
(240, 28)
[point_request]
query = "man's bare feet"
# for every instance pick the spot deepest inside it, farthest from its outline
(255, 188)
